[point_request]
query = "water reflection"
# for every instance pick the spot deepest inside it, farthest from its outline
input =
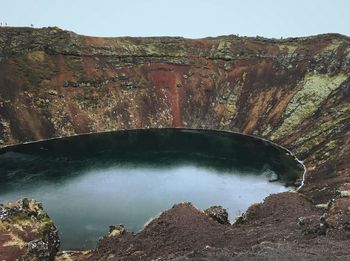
(87, 183)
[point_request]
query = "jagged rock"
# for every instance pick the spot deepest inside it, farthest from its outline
(344, 193)
(116, 230)
(313, 225)
(325, 205)
(27, 232)
(218, 213)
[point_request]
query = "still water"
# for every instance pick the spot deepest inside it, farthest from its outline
(89, 182)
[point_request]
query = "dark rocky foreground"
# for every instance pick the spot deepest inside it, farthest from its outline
(285, 227)
(294, 92)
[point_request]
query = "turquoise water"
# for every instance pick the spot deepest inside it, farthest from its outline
(87, 183)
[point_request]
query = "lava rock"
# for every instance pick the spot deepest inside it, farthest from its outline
(116, 230)
(218, 213)
(27, 232)
(313, 225)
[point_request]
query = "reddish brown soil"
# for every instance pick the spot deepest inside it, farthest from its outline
(271, 230)
(56, 83)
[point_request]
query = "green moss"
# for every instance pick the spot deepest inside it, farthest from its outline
(321, 133)
(224, 49)
(148, 47)
(224, 45)
(315, 89)
(46, 227)
(267, 130)
(334, 45)
(347, 54)
(19, 217)
(37, 56)
(230, 109)
(290, 47)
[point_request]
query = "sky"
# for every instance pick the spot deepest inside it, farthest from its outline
(187, 18)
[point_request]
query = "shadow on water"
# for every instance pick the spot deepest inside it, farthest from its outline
(103, 165)
(65, 158)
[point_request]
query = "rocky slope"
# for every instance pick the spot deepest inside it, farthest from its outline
(285, 227)
(294, 92)
(27, 232)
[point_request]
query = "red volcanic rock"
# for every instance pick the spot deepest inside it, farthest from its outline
(294, 92)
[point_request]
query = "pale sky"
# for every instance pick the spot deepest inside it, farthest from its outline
(188, 18)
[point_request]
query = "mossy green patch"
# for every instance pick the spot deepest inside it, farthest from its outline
(347, 54)
(223, 49)
(147, 47)
(224, 45)
(321, 133)
(229, 112)
(315, 88)
(267, 130)
(231, 108)
(37, 56)
(2, 226)
(334, 45)
(291, 48)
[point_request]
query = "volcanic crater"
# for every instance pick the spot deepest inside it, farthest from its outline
(293, 92)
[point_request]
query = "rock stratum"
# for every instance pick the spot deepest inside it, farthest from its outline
(294, 92)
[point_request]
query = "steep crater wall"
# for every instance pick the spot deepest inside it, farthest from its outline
(294, 92)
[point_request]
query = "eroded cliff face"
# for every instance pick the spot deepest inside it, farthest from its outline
(294, 92)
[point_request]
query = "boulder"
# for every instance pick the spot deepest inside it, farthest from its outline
(27, 232)
(217, 213)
